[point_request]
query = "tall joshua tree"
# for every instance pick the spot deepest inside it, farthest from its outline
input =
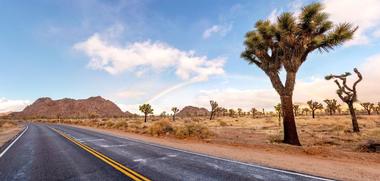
(175, 111)
(332, 105)
(214, 106)
(368, 107)
(286, 44)
(314, 105)
(146, 109)
(348, 94)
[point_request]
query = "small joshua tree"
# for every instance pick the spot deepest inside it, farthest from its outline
(368, 107)
(286, 44)
(278, 109)
(348, 94)
(146, 109)
(214, 106)
(175, 111)
(253, 112)
(314, 105)
(239, 110)
(163, 114)
(296, 109)
(224, 111)
(332, 106)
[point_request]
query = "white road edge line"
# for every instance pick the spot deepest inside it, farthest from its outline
(14, 141)
(213, 157)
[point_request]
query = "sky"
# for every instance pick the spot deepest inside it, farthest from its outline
(167, 53)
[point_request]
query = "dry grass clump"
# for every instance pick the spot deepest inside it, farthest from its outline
(5, 124)
(162, 127)
(197, 130)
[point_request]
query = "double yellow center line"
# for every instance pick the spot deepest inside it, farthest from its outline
(123, 169)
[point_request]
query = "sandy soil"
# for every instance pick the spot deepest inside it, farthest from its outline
(7, 132)
(331, 163)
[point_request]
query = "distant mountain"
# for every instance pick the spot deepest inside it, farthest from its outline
(71, 108)
(193, 111)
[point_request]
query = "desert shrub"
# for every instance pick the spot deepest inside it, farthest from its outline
(222, 123)
(369, 146)
(109, 124)
(122, 125)
(275, 138)
(7, 124)
(192, 130)
(160, 128)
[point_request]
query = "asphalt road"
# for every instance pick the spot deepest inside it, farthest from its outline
(56, 152)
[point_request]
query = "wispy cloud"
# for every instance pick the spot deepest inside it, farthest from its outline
(220, 30)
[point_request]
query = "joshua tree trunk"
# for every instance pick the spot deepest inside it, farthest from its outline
(290, 129)
(211, 115)
(313, 113)
(145, 117)
(173, 117)
(331, 112)
(355, 124)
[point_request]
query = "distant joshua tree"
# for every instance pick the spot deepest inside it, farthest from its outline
(377, 108)
(224, 111)
(239, 110)
(146, 109)
(278, 110)
(305, 111)
(214, 106)
(175, 111)
(313, 105)
(296, 109)
(286, 44)
(254, 112)
(368, 107)
(347, 94)
(332, 106)
(163, 114)
(231, 112)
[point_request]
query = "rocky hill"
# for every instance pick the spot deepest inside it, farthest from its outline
(193, 111)
(71, 108)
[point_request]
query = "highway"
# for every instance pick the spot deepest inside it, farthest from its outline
(57, 152)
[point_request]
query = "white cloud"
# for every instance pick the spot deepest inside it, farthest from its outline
(7, 105)
(273, 15)
(364, 13)
(221, 30)
(148, 55)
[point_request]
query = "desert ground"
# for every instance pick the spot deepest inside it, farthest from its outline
(8, 129)
(329, 148)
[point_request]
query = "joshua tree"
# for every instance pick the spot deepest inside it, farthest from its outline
(214, 106)
(314, 105)
(279, 112)
(231, 112)
(254, 112)
(224, 111)
(286, 44)
(348, 94)
(305, 110)
(175, 111)
(368, 107)
(239, 110)
(332, 106)
(296, 109)
(146, 109)
(163, 114)
(377, 108)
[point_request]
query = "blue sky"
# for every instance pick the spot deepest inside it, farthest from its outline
(167, 53)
